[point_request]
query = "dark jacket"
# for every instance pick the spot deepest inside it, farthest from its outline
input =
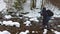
(43, 12)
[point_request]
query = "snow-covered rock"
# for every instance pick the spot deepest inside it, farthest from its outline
(5, 32)
(10, 23)
(28, 23)
(16, 24)
(5, 23)
(26, 32)
(8, 16)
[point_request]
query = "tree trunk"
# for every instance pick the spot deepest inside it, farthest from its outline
(33, 4)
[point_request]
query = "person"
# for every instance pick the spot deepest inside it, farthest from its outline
(47, 14)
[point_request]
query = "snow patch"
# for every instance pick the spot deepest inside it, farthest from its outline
(1, 23)
(45, 31)
(34, 19)
(26, 32)
(8, 16)
(58, 25)
(33, 31)
(2, 5)
(28, 23)
(10, 23)
(56, 32)
(4, 32)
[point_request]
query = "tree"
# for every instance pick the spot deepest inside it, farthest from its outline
(18, 5)
(33, 4)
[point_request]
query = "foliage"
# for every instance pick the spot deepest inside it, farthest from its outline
(18, 4)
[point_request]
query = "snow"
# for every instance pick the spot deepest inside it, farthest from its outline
(38, 3)
(26, 32)
(10, 23)
(58, 25)
(16, 24)
(8, 16)
(2, 5)
(21, 17)
(4, 32)
(54, 9)
(1, 23)
(26, 6)
(45, 31)
(34, 13)
(33, 31)
(34, 19)
(36, 31)
(5, 23)
(27, 23)
(56, 32)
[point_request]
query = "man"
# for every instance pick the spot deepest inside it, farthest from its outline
(47, 14)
